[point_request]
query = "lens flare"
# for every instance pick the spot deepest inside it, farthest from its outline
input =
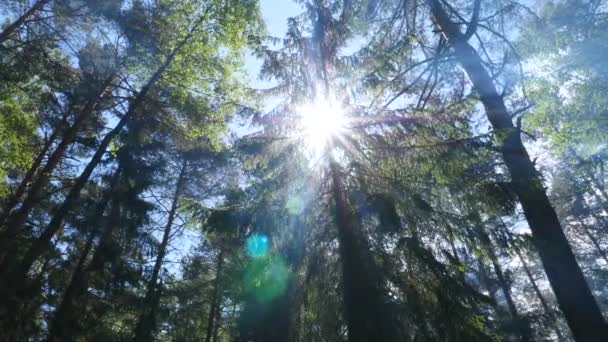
(266, 278)
(320, 122)
(257, 245)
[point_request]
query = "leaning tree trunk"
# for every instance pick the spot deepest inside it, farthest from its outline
(147, 321)
(215, 299)
(13, 27)
(17, 218)
(565, 276)
(40, 244)
(366, 316)
(14, 273)
(16, 196)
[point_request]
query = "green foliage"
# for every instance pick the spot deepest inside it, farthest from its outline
(17, 130)
(412, 196)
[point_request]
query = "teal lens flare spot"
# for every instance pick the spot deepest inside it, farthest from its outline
(266, 278)
(257, 245)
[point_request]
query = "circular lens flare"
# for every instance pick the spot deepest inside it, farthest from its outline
(257, 245)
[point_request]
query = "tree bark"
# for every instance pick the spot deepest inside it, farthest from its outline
(16, 219)
(40, 244)
(27, 178)
(62, 324)
(10, 29)
(215, 299)
(565, 276)
(218, 323)
(147, 321)
(366, 316)
(539, 295)
(14, 274)
(522, 327)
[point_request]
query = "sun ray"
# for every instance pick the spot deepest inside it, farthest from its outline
(320, 122)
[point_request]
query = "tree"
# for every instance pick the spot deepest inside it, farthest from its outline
(567, 280)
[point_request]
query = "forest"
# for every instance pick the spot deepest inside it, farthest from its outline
(378, 170)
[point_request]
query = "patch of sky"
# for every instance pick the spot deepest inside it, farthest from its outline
(275, 14)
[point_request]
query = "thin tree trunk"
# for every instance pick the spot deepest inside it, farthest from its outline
(61, 327)
(365, 316)
(215, 299)
(16, 219)
(27, 178)
(218, 323)
(147, 321)
(565, 276)
(12, 28)
(522, 327)
(539, 294)
(14, 274)
(62, 324)
(40, 245)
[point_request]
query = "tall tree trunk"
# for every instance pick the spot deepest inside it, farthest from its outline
(62, 324)
(565, 276)
(218, 322)
(366, 316)
(215, 299)
(14, 274)
(17, 218)
(29, 176)
(40, 244)
(61, 327)
(522, 327)
(12, 28)
(147, 321)
(539, 294)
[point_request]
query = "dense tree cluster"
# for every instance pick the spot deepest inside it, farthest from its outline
(416, 170)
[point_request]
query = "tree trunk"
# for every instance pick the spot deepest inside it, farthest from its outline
(15, 273)
(521, 325)
(10, 29)
(62, 325)
(40, 245)
(16, 219)
(366, 316)
(27, 178)
(218, 323)
(215, 299)
(147, 321)
(565, 276)
(539, 294)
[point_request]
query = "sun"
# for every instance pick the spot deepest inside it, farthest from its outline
(320, 122)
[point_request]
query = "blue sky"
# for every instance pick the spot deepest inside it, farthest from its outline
(275, 13)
